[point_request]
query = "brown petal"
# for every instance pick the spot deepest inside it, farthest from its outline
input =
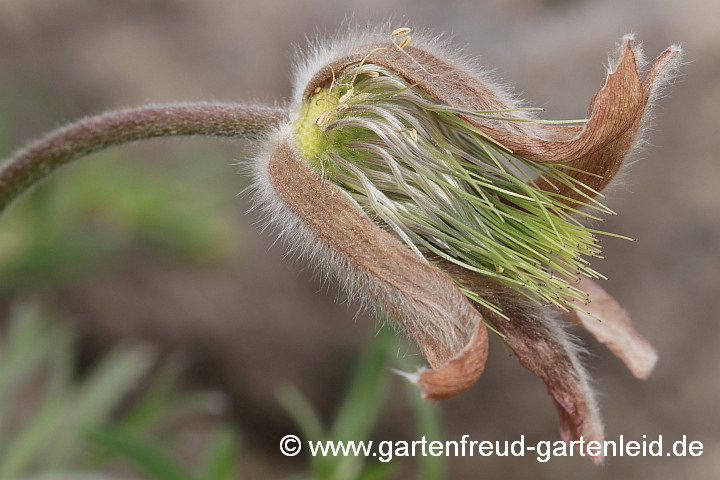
(611, 325)
(616, 113)
(424, 300)
(599, 148)
(545, 349)
(542, 346)
(459, 373)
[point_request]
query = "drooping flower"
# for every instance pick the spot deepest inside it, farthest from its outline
(430, 194)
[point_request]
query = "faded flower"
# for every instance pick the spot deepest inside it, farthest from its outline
(432, 195)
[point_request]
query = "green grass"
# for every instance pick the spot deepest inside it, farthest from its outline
(54, 421)
(357, 418)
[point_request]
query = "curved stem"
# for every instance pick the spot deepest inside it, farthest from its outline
(38, 160)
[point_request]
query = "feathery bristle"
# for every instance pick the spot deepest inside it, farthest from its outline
(422, 170)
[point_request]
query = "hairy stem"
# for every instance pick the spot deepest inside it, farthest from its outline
(38, 160)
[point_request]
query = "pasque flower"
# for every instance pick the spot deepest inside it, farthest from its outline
(432, 195)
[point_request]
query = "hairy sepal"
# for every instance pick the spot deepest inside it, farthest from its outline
(317, 219)
(610, 324)
(537, 336)
(594, 151)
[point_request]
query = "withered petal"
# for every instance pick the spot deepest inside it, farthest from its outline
(546, 350)
(424, 300)
(615, 114)
(610, 324)
(543, 347)
(459, 373)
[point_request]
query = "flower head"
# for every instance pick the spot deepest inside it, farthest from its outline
(432, 195)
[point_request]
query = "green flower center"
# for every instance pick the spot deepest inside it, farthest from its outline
(422, 170)
(309, 137)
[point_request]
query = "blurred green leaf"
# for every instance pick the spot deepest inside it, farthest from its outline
(156, 403)
(359, 411)
(378, 471)
(98, 396)
(45, 412)
(30, 350)
(74, 222)
(302, 412)
(427, 424)
(358, 414)
(144, 455)
(308, 421)
(355, 418)
(63, 409)
(220, 463)
(364, 399)
(26, 347)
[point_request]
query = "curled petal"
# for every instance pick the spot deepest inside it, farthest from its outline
(615, 114)
(603, 317)
(542, 346)
(545, 349)
(459, 373)
(373, 264)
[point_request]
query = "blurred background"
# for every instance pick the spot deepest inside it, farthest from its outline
(135, 284)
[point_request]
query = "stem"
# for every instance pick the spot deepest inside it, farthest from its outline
(39, 159)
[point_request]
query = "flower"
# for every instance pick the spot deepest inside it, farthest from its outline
(431, 195)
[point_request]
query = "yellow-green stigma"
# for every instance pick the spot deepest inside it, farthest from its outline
(310, 138)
